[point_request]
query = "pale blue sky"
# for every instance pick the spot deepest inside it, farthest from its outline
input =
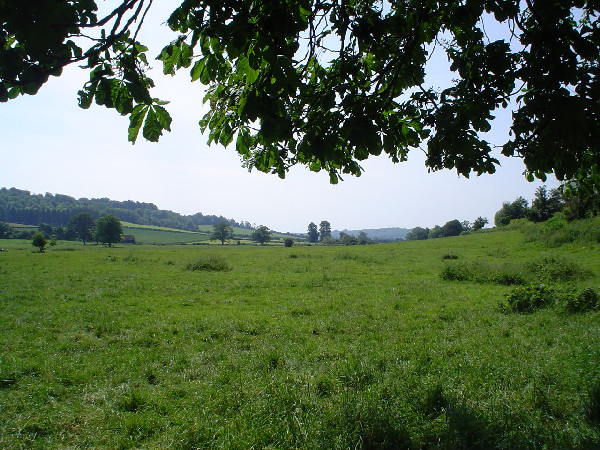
(51, 145)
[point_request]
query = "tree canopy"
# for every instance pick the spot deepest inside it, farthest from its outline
(261, 235)
(83, 225)
(326, 84)
(108, 230)
(221, 232)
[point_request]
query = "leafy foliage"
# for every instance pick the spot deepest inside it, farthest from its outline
(417, 234)
(108, 230)
(21, 206)
(516, 210)
(584, 301)
(324, 229)
(83, 224)
(545, 204)
(261, 235)
(313, 233)
(328, 84)
(528, 299)
(39, 241)
(222, 231)
(6, 231)
(479, 223)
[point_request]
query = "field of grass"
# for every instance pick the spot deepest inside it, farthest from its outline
(367, 347)
(149, 234)
(146, 234)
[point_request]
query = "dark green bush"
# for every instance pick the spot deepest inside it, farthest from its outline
(457, 272)
(528, 299)
(450, 256)
(210, 263)
(556, 269)
(508, 278)
(586, 300)
(484, 272)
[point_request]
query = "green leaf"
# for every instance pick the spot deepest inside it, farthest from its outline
(163, 116)
(85, 99)
(135, 122)
(197, 69)
(152, 129)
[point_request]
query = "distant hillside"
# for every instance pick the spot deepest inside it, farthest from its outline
(20, 206)
(386, 234)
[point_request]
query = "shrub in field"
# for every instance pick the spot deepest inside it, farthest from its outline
(288, 242)
(39, 241)
(508, 278)
(210, 263)
(457, 272)
(450, 256)
(483, 272)
(528, 299)
(586, 300)
(553, 268)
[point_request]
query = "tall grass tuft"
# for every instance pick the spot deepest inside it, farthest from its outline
(209, 263)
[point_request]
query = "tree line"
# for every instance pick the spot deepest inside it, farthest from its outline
(107, 230)
(21, 206)
(571, 199)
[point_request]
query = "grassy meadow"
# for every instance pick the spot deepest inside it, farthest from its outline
(391, 346)
(149, 234)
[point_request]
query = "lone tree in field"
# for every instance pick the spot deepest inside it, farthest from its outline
(221, 232)
(83, 225)
(313, 233)
(108, 230)
(324, 229)
(479, 223)
(261, 235)
(39, 241)
(326, 84)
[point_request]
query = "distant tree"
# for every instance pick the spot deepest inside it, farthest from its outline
(82, 225)
(466, 225)
(479, 223)
(328, 240)
(581, 193)
(221, 232)
(324, 229)
(313, 233)
(436, 232)
(363, 238)
(261, 235)
(45, 229)
(108, 230)
(418, 234)
(347, 239)
(544, 205)
(510, 211)
(288, 242)
(6, 231)
(452, 228)
(39, 241)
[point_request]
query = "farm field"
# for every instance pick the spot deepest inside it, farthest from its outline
(392, 346)
(148, 234)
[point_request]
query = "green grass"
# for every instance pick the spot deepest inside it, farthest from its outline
(363, 347)
(162, 236)
(149, 234)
